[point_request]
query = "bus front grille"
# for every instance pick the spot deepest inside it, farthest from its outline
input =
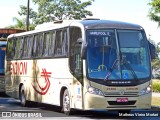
(117, 94)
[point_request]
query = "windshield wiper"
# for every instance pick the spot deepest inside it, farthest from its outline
(128, 66)
(111, 69)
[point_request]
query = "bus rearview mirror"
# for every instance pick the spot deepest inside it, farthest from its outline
(152, 49)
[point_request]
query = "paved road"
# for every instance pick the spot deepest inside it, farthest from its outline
(51, 112)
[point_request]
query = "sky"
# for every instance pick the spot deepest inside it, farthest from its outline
(133, 11)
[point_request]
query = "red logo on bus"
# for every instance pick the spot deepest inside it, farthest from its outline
(43, 90)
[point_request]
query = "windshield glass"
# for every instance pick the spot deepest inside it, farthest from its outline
(108, 61)
(134, 54)
(101, 53)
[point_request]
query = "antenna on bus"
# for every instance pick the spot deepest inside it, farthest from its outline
(58, 21)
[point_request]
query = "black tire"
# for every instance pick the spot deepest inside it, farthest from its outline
(66, 103)
(22, 98)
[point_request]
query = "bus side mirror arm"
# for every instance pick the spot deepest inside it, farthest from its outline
(83, 50)
(83, 45)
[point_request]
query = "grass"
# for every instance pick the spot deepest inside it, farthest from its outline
(156, 85)
(155, 88)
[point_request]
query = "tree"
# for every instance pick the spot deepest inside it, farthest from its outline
(154, 12)
(32, 16)
(51, 10)
(156, 61)
(154, 15)
(20, 24)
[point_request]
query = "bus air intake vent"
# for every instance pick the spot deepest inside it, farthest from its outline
(108, 94)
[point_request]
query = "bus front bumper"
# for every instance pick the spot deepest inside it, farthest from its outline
(92, 101)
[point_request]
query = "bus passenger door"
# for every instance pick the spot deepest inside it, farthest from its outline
(75, 64)
(78, 77)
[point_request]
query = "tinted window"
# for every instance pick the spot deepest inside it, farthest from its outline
(75, 34)
(61, 43)
(64, 43)
(38, 45)
(48, 44)
(58, 42)
(27, 50)
(10, 49)
(18, 48)
(51, 43)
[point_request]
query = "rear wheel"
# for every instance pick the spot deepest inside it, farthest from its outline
(23, 100)
(66, 103)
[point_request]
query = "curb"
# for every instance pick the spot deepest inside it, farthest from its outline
(155, 107)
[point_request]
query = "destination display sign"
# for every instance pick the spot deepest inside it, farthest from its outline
(99, 33)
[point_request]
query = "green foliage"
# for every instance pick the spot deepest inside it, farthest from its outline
(154, 11)
(156, 62)
(21, 24)
(50, 10)
(156, 86)
(23, 11)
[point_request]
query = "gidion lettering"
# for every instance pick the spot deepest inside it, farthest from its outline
(18, 68)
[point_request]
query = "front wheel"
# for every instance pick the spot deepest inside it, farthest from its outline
(66, 103)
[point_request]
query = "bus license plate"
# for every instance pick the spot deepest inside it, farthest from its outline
(122, 99)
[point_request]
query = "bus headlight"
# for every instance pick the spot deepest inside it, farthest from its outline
(95, 91)
(146, 90)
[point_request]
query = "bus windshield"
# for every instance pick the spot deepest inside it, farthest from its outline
(117, 55)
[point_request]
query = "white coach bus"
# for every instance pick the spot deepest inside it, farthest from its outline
(85, 64)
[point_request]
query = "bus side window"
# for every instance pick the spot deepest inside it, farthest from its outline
(61, 43)
(51, 43)
(34, 45)
(19, 48)
(28, 41)
(48, 44)
(10, 49)
(38, 45)
(30, 46)
(58, 42)
(25, 49)
(47, 38)
(64, 43)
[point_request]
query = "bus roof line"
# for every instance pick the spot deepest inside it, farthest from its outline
(89, 24)
(47, 26)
